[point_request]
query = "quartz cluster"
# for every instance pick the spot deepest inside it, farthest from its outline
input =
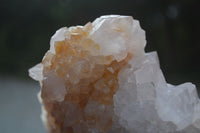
(97, 78)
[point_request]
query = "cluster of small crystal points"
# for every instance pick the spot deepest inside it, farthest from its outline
(98, 79)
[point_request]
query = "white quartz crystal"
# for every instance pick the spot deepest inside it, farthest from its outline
(98, 79)
(145, 103)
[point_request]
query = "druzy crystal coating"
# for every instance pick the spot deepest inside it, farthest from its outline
(97, 78)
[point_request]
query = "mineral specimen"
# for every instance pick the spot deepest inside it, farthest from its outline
(98, 79)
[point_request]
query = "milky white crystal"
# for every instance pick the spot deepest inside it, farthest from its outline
(98, 79)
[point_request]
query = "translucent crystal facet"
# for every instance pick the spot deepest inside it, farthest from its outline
(98, 79)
